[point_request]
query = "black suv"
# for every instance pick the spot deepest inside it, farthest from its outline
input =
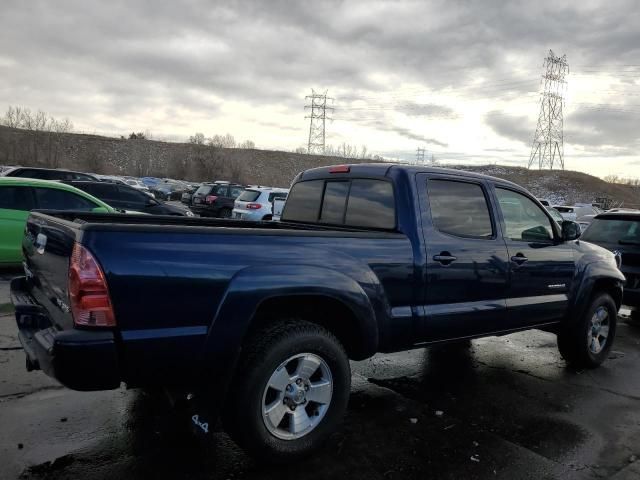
(124, 197)
(48, 174)
(215, 199)
(620, 233)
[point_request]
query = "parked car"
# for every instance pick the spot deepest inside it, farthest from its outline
(278, 207)
(138, 185)
(47, 174)
(216, 199)
(124, 197)
(150, 181)
(366, 259)
(256, 203)
(573, 212)
(555, 214)
(620, 233)
(168, 190)
(188, 194)
(20, 195)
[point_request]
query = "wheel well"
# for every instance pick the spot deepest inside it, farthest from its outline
(267, 217)
(328, 312)
(611, 287)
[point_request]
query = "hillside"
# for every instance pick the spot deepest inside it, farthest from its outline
(562, 186)
(107, 155)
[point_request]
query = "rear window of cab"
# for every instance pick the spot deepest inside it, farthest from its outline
(357, 202)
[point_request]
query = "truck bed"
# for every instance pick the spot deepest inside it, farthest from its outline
(117, 221)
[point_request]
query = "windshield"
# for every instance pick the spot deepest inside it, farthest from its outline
(610, 230)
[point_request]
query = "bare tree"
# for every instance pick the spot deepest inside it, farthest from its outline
(13, 117)
(197, 139)
(612, 179)
(248, 144)
(223, 141)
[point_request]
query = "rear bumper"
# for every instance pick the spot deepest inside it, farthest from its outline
(249, 215)
(205, 210)
(79, 359)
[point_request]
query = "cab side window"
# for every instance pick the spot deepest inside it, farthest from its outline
(459, 208)
(54, 199)
(524, 219)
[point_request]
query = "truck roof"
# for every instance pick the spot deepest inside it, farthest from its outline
(383, 169)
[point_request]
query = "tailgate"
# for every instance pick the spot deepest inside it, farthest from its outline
(82, 359)
(47, 247)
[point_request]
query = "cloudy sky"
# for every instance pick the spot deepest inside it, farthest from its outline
(459, 78)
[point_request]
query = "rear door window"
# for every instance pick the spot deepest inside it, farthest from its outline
(107, 192)
(132, 197)
(459, 208)
(334, 202)
(236, 191)
(16, 198)
(371, 204)
(54, 199)
(357, 203)
(303, 204)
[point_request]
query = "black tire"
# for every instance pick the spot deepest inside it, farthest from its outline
(267, 218)
(573, 339)
(225, 213)
(263, 357)
(634, 318)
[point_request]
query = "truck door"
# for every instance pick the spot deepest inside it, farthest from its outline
(541, 265)
(466, 259)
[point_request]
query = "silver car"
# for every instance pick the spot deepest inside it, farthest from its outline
(256, 203)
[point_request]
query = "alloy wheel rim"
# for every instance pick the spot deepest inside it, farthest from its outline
(598, 330)
(297, 396)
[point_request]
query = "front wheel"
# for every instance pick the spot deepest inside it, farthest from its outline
(587, 342)
(290, 391)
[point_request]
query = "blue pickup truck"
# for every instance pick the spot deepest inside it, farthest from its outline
(259, 320)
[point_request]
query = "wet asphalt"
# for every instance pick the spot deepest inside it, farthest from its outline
(504, 407)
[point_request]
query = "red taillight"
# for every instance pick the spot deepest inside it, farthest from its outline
(210, 198)
(253, 206)
(340, 169)
(88, 293)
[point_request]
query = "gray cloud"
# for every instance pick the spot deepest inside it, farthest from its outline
(89, 60)
(513, 127)
(604, 127)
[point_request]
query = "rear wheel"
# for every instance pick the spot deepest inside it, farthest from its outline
(225, 213)
(290, 391)
(587, 342)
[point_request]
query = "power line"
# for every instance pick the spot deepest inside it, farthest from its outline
(317, 122)
(548, 141)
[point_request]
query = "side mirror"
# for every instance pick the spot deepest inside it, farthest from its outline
(570, 230)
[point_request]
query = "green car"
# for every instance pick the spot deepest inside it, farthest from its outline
(20, 195)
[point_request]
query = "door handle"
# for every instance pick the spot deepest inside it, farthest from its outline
(445, 258)
(519, 258)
